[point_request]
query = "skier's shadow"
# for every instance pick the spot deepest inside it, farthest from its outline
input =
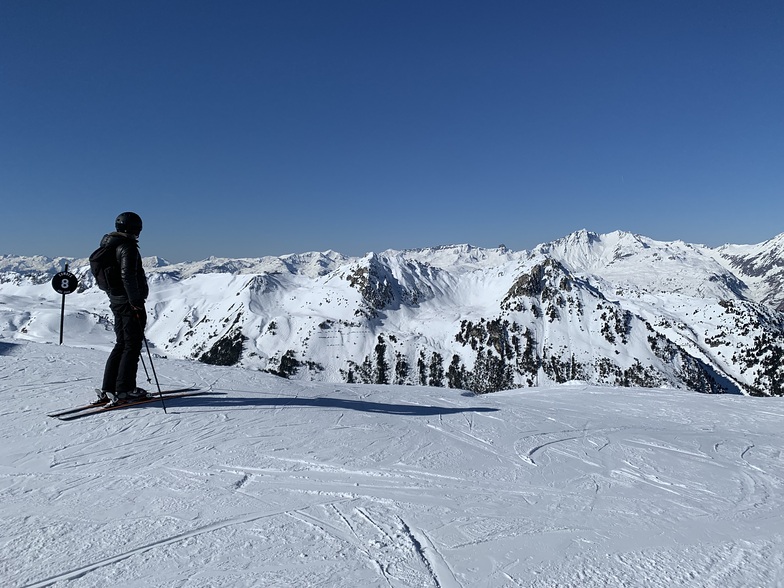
(7, 348)
(224, 402)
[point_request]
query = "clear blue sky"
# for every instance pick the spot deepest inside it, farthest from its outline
(249, 128)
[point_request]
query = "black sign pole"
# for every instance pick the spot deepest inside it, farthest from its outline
(64, 283)
(62, 312)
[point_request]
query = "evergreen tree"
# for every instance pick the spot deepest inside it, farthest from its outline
(422, 369)
(381, 362)
(456, 374)
(436, 370)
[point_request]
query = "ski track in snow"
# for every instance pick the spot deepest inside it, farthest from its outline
(278, 483)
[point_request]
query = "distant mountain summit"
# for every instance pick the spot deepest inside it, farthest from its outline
(617, 309)
(761, 266)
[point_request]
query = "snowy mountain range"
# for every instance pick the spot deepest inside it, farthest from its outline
(616, 309)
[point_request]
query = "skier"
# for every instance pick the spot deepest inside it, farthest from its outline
(127, 290)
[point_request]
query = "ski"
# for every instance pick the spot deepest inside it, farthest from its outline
(102, 409)
(103, 404)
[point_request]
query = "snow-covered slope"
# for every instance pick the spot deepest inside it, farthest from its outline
(761, 266)
(275, 483)
(617, 309)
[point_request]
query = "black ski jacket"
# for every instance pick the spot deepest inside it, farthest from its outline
(129, 284)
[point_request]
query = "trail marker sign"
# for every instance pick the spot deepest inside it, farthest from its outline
(64, 283)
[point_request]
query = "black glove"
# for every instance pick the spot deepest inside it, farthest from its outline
(137, 308)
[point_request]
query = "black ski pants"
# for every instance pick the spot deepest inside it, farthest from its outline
(120, 372)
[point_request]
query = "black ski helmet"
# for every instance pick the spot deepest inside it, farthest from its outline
(129, 222)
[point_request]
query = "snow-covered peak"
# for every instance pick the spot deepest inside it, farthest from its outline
(761, 266)
(155, 261)
(755, 260)
(35, 264)
(460, 256)
(585, 251)
(643, 264)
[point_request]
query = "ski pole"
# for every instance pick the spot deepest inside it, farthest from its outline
(152, 367)
(144, 365)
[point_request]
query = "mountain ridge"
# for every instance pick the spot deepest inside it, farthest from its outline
(616, 309)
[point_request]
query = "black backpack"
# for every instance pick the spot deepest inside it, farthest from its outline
(103, 265)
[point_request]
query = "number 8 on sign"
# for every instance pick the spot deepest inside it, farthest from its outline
(65, 283)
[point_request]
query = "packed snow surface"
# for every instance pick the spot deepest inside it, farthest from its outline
(271, 482)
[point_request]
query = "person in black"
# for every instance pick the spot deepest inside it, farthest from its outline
(127, 292)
